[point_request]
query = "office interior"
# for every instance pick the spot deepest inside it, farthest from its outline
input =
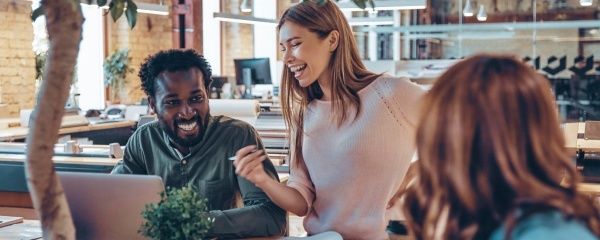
(418, 39)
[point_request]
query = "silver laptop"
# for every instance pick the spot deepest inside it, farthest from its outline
(107, 206)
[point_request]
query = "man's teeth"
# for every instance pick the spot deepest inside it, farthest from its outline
(187, 126)
(298, 68)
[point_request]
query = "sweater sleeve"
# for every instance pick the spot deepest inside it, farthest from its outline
(300, 179)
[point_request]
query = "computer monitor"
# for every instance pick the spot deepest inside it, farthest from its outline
(258, 68)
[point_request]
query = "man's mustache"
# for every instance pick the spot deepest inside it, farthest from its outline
(195, 118)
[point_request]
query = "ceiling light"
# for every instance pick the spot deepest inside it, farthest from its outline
(245, 6)
(468, 10)
(153, 8)
(228, 17)
(586, 3)
(482, 15)
(149, 8)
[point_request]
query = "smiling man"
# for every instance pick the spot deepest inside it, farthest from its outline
(188, 146)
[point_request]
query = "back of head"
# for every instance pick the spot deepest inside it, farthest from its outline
(490, 145)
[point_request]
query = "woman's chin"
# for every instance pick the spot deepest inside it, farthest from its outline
(304, 83)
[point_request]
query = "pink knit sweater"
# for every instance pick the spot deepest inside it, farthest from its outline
(352, 171)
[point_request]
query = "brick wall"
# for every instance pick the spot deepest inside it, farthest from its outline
(17, 60)
(151, 34)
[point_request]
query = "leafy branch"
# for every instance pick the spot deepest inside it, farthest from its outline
(115, 7)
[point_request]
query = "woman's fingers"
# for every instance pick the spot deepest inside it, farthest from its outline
(243, 162)
(243, 152)
(252, 165)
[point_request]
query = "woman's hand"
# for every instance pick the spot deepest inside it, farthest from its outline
(248, 164)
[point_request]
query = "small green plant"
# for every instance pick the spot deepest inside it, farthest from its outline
(180, 214)
(116, 68)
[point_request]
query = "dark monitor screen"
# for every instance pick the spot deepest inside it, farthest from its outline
(260, 70)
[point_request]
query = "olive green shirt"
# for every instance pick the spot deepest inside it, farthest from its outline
(150, 151)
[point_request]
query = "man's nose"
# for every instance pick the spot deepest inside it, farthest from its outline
(186, 111)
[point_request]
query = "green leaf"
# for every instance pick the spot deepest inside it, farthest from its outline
(360, 3)
(131, 13)
(37, 12)
(116, 9)
(101, 3)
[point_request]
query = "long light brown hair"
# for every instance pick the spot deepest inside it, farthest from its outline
(347, 72)
(491, 152)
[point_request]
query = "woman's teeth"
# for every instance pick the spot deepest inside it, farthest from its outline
(187, 126)
(298, 68)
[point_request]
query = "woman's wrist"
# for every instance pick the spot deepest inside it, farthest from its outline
(265, 183)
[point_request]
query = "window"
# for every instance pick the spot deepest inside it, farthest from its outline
(89, 73)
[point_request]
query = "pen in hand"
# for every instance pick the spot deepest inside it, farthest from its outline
(232, 158)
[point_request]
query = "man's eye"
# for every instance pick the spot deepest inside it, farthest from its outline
(172, 102)
(198, 99)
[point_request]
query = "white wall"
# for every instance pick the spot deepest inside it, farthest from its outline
(265, 35)
(211, 35)
(90, 73)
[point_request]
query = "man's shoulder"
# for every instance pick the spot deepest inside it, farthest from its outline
(147, 130)
(150, 126)
(234, 125)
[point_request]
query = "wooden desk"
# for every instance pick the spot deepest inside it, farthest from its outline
(19, 133)
(574, 138)
(97, 161)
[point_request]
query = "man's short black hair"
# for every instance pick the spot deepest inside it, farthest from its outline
(171, 61)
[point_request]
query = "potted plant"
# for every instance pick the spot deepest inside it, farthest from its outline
(116, 68)
(180, 214)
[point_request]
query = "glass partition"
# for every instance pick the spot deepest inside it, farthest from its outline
(559, 38)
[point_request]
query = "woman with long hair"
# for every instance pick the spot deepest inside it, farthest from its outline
(492, 159)
(352, 131)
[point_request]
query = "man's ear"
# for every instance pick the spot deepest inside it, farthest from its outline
(334, 40)
(152, 104)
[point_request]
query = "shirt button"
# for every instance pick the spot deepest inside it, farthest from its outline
(184, 162)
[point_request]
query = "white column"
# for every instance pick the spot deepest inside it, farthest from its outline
(406, 47)
(396, 36)
(372, 40)
(211, 35)
(265, 35)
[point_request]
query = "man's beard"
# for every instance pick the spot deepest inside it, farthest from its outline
(201, 123)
